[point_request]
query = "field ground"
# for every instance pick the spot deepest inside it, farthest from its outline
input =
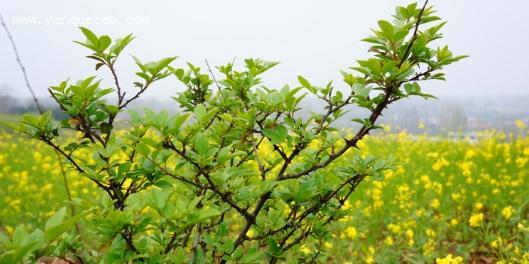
(446, 202)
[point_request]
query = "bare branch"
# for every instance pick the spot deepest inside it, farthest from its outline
(22, 68)
(213, 76)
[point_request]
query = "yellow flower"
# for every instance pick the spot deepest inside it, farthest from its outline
(435, 203)
(440, 163)
(454, 222)
(466, 167)
(419, 212)
(521, 161)
(526, 151)
(250, 233)
(476, 219)
(304, 249)
(429, 247)
(520, 124)
(351, 232)
(496, 243)
(470, 154)
(449, 259)
(389, 241)
(409, 233)
(507, 212)
(430, 232)
(394, 228)
(371, 250)
(327, 244)
(346, 205)
(523, 228)
(46, 166)
(478, 206)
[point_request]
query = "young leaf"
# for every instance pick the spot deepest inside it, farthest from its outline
(201, 144)
(90, 36)
(386, 27)
(304, 82)
(104, 43)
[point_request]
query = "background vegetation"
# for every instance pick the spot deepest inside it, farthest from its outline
(456, 197)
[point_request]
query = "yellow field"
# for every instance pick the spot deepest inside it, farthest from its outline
(446, 201)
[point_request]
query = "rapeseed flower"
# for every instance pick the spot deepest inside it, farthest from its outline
(507, 212)
(439, 164)
(520, 124)
(449, 259)
(476, 219)
(305, 250)
(351, 232)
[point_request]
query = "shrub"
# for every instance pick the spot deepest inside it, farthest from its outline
(239, 175)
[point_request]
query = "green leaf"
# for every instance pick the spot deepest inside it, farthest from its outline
(56, 219)
(90, 36)
(120, 44)
(177, 122)
(273, 246)
(207, 212)
(408, 87)
(164, 63)
(386, 27)
(55, 228)
(224, 155)
(112, 109)
(282, 132)
(253, 255)
(142, 66)
(373, 66)
(143, 149)
(201, 144)
(19, 253)
(159, 198)
(304, 82)
(277, 134)
(361, 90)
(348, 78)
(104, 43)
(164, 184)
(200, 113)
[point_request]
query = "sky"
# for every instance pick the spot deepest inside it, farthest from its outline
(315, 39)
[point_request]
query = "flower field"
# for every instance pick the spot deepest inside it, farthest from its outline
(446, 201)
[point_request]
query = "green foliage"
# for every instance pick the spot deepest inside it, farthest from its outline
(239, 176)
(24, 243)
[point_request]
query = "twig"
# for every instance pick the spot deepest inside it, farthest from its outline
(135, 96)
(195, 245)
(68, 193)
(213, 76)
(22, 68)
(414, 36)
(259, 162)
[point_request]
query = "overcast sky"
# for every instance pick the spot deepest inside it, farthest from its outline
(311, 38)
